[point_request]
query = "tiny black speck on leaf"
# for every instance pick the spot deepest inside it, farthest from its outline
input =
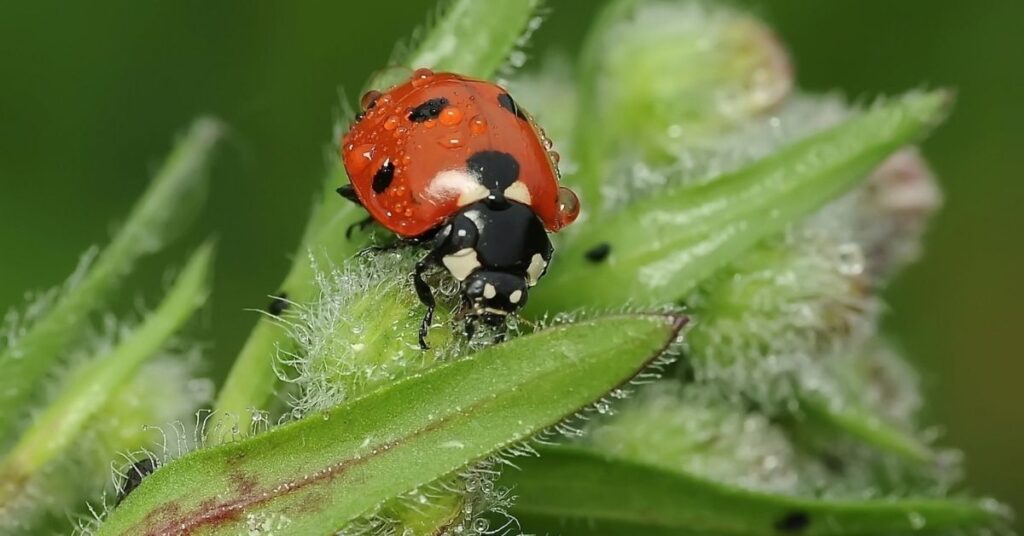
(599, 252)
(794, 522)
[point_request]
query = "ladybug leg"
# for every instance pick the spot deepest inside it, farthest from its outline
(361, 225)
(502, 333)
(133, 477)
(391, 246)
(441, 238)
(426, 296)
(348, 192)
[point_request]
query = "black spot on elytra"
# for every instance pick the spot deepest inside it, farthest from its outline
(793, 523)
(506, 102)
(494, 169)
(427, 110)
(134, 475)
(599, 252)
(383, 177)
(278, 304)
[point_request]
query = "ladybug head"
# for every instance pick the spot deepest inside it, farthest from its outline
(493, 295)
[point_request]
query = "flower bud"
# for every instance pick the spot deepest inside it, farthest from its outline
(660, 75)
(766, 327)
(362, 331)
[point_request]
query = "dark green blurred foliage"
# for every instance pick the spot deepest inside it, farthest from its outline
(89, 93)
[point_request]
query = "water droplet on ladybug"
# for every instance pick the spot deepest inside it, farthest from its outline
(555, 157)
(391, 123)
(400, 131)
(450, 116)
(421, 76)
(478, 125)
(369, 99)
(358, 157)
(452, 142)
(568, 206)
(548, 144)
(430, 123)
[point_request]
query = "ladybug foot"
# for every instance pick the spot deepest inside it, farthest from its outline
(361, 225)
(428, 318)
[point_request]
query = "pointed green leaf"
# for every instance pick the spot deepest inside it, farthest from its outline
(316, 474)
(861, 423)
(164, 209)
(660, 248)
(474, 37)
(579, 492)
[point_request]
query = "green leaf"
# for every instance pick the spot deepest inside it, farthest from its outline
(471, 37)
(316, 474)
(62, 422)
(475, 38)
(168, 204)
(861, 423)
(663, 246)
(574, 491)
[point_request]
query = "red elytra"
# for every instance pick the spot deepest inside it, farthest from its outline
(406, 158)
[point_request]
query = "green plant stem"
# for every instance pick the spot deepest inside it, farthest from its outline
(168, 204)
(91, 387)
(472, 38)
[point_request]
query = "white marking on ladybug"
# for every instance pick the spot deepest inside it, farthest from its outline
(518, 192)
(494, 311)
(455, 183)
(536, 269)
(461, 263)
(515, 296)
(474, 216)
(490, 291)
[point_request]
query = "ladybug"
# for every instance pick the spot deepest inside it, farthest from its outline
(454, 164)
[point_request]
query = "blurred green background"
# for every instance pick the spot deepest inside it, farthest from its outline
(92, 92)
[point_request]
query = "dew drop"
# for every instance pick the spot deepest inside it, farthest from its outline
(851, 259)
(369, 99)
(554, 157)
(420, 77)
(452, 142)
(568, 206)
(478, 125)
(450, 116)
(391, 123)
